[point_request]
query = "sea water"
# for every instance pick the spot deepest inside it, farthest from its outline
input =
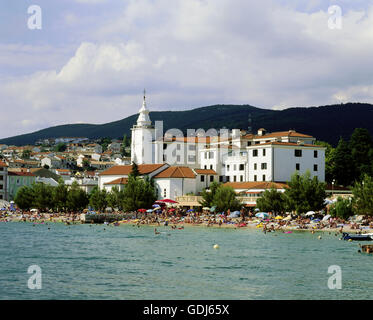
(127, 262)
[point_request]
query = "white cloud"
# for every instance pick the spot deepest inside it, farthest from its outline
(194, 53)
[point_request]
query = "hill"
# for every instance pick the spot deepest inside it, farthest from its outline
(327, 123)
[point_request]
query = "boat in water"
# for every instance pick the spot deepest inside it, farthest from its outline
(358, 237)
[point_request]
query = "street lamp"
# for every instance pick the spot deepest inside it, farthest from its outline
(333, 187)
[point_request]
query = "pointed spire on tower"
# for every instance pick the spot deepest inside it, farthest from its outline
(143, 119)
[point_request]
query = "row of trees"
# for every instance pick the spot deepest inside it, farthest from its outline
(306, 194)
(138, 193)
(350, 160)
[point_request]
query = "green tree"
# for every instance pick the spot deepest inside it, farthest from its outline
(104, 143)
(24, 198)
(135, 170)
(61, 147)
(114, 198)
(98, 199)
(59, 196)
(77, 199)
(342, 208)
(272, 200)
(26, 154)
(343, 170)
(225, 198)
(361, 145)
(363, 196)
(43, 196)
(208, 195)
(305, 193)
(125, 144)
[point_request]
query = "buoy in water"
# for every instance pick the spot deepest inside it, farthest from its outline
(349, 240)
(216, 246)
(319, 237)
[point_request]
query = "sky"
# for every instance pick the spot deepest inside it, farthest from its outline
(92, 59)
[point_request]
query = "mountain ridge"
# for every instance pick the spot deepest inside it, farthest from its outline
(327, 123)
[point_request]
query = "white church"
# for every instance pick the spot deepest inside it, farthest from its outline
(183, 165)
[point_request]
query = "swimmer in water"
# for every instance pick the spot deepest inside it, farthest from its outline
(156, 232)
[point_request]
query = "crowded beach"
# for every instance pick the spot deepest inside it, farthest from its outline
(167, 215)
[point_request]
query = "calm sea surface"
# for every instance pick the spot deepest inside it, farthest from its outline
(88, 262)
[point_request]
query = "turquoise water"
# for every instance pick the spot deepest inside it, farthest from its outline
(88, 262)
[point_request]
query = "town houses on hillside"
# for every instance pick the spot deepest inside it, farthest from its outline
(181, 166)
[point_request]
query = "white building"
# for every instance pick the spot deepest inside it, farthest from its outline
(235, 155)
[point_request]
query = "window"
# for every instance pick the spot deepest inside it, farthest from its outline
(202, 178)
(228, 178)
(264, 152)
(192, 158)
(242, 167)
(205, 167)
(315, 153)
(177, 147)
(1, 169)
(211, 167)
(234, 167)
(298, 153)
(164, 146)
(228, 167)
(164, 157)
(1, 187)
(264, 177)
(297, 166)
(264, 166)
(255, 153)
(211, 178)
(1, 178)
(241, 178)
(315, 167)
(178, 158)
(205, 155)
(192, 147)
(234, 178)
(249, 143)
(255, 166)
(211, 155)
(220, 178)
(255, 177)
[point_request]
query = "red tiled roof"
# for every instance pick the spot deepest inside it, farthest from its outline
(20, 173)
(118, 181)
(125, 170)
(290, 133)
(291, 144)
(3, 164)
(205, 171)
(176, 172)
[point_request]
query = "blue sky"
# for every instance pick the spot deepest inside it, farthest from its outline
(92, 58)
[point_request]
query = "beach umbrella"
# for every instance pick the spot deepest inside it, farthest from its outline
(287, 218)
(141, 210)
(212, 209)
(156, 206)
(167, 201)
(150, 210)
(205, 208)
(256, 209)
(326, 217)
(172, 209)
(190, 210)
(279, 218)
(310, 213)
(262, 215)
